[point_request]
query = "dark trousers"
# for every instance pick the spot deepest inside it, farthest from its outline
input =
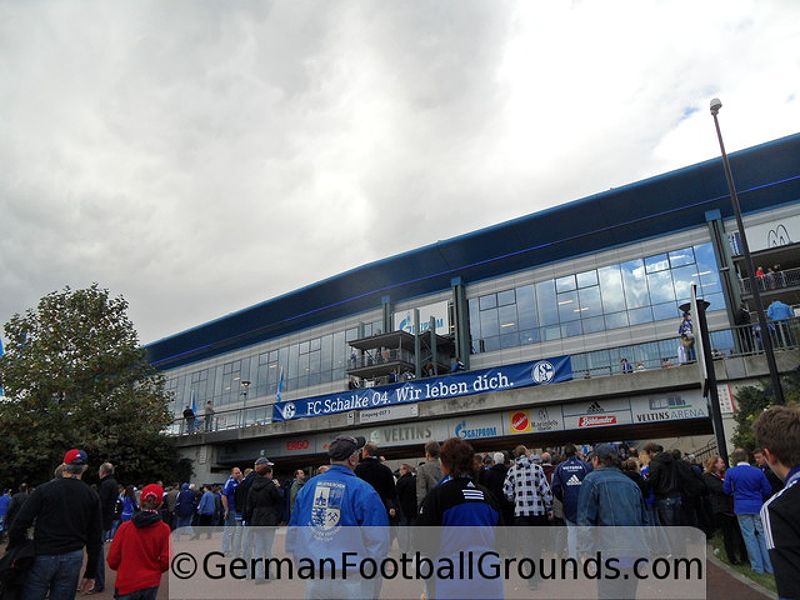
(145, 594)
(731, 537)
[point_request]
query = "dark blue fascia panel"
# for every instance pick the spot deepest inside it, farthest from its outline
(766, 175)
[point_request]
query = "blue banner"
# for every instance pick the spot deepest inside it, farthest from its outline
(539, 372)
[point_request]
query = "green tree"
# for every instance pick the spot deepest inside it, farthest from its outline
(75, 376)
(751, 401)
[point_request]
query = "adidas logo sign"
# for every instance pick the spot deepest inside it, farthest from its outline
(573, 480)
(595, 408)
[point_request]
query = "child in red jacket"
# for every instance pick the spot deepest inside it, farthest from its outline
(140, 550)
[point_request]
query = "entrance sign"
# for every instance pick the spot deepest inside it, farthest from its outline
(388, 413)
(541, 372)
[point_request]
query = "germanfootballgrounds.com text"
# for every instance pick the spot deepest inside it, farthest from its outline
(464, 566)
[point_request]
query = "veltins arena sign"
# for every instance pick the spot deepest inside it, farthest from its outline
(540, 372)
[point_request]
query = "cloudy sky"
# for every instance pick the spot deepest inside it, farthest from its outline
(200, 157)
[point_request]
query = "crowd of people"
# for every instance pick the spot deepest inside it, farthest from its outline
(756, 507)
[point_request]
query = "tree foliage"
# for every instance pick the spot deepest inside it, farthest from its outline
(75, 376)
(751, 401)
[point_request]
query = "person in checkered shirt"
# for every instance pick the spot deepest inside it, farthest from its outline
(526, 486)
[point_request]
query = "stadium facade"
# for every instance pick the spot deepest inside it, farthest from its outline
(540, 311)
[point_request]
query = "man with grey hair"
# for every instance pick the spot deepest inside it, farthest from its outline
(108, 491)
(68, 518)
(430, 473)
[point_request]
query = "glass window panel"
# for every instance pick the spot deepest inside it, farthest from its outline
(315, 344)
(326, 377)
(663, 312)
(594, 325)
(489, 301)
(291, 369)
(591, 305)
(611, 289)
(633, 278)
(571, 329)
(367, 329)
(679, 258)
(489, 324)
(273, 356)
(711, 288)
(550, 333)
(617, 320)
(529, 336)
(656, 263)
(661, 289)
(326, 352)
(587, 278)
(474, 319)
(568, 308)
(313, 361)
(638, 316)
(526, 307)
(509, 340)
(376, 327)
(565, 284)
(339, 351)
(682, 279)
(717, 302)
(507, 297)
(351, 334)
(508, 318)
(546, 304)
(302, 364)
(303, 347)
(313, 379)
(490, 344)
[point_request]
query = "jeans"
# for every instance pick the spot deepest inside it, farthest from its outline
(263, 538)
(669, 511)
(100, 578)
(232, 535)
(753, 534)
(57, 575)
(145, 594)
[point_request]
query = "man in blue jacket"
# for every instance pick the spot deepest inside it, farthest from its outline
(749, 487)
(337, 512)
(566, 484)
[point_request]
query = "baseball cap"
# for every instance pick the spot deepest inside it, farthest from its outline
(263, 460)
(604, 451)
(154, 490)
(76, 457)
(344, 445)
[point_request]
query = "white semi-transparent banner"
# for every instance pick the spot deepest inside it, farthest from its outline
(441, 562)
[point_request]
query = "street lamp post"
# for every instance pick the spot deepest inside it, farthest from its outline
(777, 390)
(245, 386)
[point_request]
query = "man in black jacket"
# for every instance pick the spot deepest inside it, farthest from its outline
(108, 490)
(17, 500)
(777, 431)
(664, 482)
(263, 511)
(67, 516)
(380, 477)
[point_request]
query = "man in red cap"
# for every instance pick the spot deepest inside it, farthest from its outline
(67, 515)
(140, 550)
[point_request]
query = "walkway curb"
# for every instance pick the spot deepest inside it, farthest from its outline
(738, 576)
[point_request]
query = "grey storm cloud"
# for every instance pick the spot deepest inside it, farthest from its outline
(199, 157)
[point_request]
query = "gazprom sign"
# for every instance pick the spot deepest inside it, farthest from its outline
(404, 320)
(540, 372)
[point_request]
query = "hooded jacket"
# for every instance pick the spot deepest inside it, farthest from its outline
(663, 476)
(264, 503)
(140, 552)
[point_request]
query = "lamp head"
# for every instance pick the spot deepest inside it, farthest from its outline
(716, 104)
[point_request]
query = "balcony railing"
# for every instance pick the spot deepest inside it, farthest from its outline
(773, 281)
(735, 341)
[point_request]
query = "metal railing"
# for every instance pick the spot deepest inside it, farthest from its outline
(372, 358)
(777, 280)
(736, 341)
